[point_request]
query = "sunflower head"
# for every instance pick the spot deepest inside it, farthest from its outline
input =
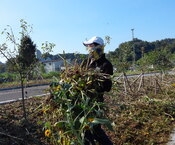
(47, 133)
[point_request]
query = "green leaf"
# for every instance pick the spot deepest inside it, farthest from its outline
(60, 124)
(82, 119)
(105, 122)
(47, 125)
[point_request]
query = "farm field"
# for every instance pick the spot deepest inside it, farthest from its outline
(142, 109)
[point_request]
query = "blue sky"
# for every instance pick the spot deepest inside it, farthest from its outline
(67, 23)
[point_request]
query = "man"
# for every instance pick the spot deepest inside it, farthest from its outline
(98, 61)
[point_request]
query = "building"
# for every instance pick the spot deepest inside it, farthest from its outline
(53, 65)
(53, 62)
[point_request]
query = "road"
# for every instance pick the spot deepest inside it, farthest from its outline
(15, 94)
(8, 95)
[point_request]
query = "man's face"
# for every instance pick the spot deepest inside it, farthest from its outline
(90, 47)
(92, 51)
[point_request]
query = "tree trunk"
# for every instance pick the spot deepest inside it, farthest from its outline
(23, 99)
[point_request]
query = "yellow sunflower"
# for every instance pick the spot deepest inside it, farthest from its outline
(48, 132)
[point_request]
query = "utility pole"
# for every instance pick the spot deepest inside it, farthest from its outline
(133, 49)
(132, 34)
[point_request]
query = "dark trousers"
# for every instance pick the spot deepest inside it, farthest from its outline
(98, 134)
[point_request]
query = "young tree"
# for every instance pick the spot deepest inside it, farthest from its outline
(22, 57)
(26, 61)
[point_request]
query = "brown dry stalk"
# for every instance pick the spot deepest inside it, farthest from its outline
(14, 137)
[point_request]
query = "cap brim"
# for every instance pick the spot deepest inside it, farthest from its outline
(86, 43)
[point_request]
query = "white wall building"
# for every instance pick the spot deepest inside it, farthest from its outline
(50, 64)
(53, 65)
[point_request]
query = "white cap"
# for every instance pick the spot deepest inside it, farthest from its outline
(94, 39)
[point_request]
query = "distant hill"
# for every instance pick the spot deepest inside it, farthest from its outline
(138, 48)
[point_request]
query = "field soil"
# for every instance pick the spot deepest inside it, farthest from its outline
(142, 117)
